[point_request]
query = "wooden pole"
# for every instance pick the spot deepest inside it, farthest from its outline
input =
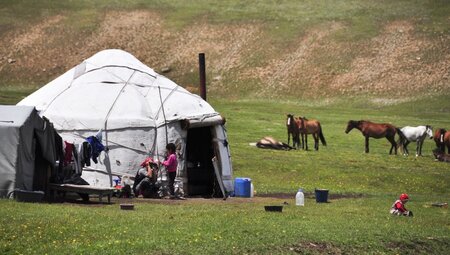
(202, 73)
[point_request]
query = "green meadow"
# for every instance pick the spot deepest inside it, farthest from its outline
(361, 187)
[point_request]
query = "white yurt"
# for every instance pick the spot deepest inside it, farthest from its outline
(138, 112)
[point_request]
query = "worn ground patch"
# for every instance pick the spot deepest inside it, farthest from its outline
(313, 248)
(288, 69)
(430, 245)
(395, 64)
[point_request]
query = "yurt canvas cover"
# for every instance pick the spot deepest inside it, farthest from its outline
(27, 150)
(138, 112)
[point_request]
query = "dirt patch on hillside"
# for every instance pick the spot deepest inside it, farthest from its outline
(142, 33)
(394, 63)
(35, 34)
(18, 46)
(284, 71)
(397, 62)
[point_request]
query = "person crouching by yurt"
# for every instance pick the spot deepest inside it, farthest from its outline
(145, 180)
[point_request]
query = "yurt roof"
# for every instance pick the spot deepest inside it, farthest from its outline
(115, 90)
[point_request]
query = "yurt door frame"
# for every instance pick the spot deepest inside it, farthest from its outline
(201, 180)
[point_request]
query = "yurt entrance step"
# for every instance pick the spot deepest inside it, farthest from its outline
(200, 170)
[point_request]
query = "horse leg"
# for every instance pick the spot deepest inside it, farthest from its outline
(421, 145)
(306, 141)
(316, 142)
(419, 148)
(303, 141)
(405, 147)
(391, 139)
(367, 144)
(442, 147)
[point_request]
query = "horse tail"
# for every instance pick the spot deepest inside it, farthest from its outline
(322, 138)
(402, 137)
(400, 140)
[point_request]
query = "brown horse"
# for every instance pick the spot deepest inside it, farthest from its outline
(292, 125)
(376, 130)
(311, 127)
(442, 139)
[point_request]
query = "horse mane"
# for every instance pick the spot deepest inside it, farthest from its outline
(290, 116)
(356, 122)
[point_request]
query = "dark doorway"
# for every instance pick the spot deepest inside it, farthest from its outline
(200, 170)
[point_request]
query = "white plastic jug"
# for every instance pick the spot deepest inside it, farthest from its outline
(300, 198)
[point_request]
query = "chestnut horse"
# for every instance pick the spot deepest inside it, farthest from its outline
(292, 125)
(376, 130)
(442, 139)
(311, 127)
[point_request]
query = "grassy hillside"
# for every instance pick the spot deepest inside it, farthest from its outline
(273, 49)
(385, 61)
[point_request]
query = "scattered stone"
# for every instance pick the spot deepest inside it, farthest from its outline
(11, 61)
(166, 69)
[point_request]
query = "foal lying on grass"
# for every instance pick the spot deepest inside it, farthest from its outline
(441, 156)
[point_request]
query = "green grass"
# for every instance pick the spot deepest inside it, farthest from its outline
(338, 165)
(358, 223)
(347, 225)
(12, 95)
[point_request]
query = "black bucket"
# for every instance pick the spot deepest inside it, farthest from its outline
(321, 195)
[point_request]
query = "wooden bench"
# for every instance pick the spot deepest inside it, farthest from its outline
(83, 189)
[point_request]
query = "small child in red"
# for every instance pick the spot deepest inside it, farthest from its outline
(398, 208)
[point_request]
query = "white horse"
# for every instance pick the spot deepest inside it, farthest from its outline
(415, 134)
